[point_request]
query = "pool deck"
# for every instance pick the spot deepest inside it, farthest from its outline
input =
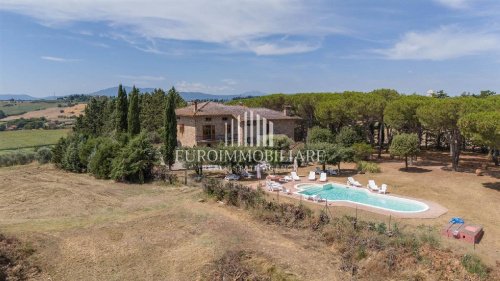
(435, 210)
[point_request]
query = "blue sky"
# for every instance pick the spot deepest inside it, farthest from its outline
(228, 46)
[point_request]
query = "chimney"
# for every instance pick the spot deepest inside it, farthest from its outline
(195, 109)
(287, 110)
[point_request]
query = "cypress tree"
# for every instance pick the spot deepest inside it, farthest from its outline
(170, 141)
(134, 123)
(121, 110)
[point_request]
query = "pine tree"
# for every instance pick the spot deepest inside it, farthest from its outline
(170, 141)
(121, 110)
(134, 123)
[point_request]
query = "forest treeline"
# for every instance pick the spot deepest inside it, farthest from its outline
(439, 120)
(115, 137)
(123, 138)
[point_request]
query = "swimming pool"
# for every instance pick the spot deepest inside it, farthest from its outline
(338, 192)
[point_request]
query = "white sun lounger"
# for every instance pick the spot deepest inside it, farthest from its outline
(372, 186)
(274, 186)
(383, 188)
(312, 176)
(353, 182)
(295, 177)
(322, 177)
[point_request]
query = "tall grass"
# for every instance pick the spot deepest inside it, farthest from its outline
(368, 167)
(474, 265)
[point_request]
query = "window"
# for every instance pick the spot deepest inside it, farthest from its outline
(178, 118)
(181, 129)
(224, 118)
(208, 119)
(228, 129)
(208, 132)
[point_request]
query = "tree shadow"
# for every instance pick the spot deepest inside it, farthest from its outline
(415, 170)
(348, 172)
(492, 185)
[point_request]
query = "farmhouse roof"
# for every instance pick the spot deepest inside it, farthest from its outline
(218, 109)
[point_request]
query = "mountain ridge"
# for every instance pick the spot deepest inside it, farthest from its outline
(112, 91)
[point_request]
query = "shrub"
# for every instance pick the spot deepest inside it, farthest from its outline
(368, 167)
(362, 151)
(17, 158)
(318, 134)
(71, 159)
(43, 155)
(58, 152)
(135, 161)
(474, 265)
(101, 160)
(381, 228)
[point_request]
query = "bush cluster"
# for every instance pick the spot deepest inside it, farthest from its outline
(368, 167)
(17, 158)
(121, 158)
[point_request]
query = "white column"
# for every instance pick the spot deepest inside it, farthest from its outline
(264, 131)
(271, 134)
(258, 129)
(239, 129)
(232, 131)
(225, 133)
(245, 128)
(251, 128)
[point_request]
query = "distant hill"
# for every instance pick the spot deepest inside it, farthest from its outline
(17, 97)
(188, 96)
(111, 92)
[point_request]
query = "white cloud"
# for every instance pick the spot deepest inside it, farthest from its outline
(447, 42)
(254, 26)
(455, 4)
(58, 59)
(185, 86)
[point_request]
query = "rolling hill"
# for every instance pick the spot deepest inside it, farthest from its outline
(111, 92)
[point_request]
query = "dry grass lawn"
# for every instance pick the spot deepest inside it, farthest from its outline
(473, 198)
(87, 229)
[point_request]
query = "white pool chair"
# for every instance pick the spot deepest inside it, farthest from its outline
(383, 188)
(351, 181)
(295, 177)
(312, 176)
(372, 186)
(322, 177)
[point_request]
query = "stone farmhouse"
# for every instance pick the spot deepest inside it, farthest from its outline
(211, 123)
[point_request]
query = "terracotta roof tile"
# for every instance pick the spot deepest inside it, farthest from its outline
(219, 109)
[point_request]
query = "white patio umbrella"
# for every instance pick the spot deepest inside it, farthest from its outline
(257, 170)
(295, 165)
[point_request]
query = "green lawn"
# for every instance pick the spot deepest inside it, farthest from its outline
(11, 140)
(21, 107)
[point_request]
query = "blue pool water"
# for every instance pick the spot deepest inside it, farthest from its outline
(338, 192)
